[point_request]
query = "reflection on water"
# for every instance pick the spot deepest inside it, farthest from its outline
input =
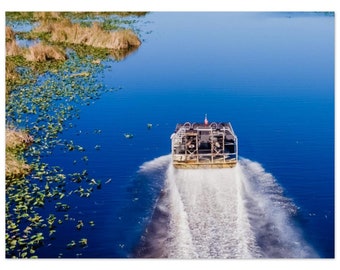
(121, 54)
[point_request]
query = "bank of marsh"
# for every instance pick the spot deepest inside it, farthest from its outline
(48, 79)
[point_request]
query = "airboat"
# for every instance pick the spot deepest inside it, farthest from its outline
(204, 145)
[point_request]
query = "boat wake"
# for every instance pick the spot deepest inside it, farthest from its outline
(221, 213)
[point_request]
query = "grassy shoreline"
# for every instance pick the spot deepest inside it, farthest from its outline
(16, 142)
(67, 55)
(54, 33)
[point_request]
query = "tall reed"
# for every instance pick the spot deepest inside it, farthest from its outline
(65, 31)
(16, 142)
(41, 52)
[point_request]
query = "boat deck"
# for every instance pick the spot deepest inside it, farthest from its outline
(202, 145)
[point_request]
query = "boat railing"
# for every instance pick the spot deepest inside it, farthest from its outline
(211, 126)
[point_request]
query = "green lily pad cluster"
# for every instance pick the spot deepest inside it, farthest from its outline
(82, 243)
(44, 100)
(45, 108)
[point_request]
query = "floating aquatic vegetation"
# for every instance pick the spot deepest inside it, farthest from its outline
(83, 242)
(128, 135)
(43, 108)
(80, 224)
(62, 207)
(72, 244)
(42, 99)
(97, 147)
(97, 183)
(31, 17)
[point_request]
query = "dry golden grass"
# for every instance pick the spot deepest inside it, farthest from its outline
(65, 31)
(16, 140)
(48, 26)
(37, 52)
(15, 167)
(10, 35)
(12, 47)
(40, 52)
(125, 39)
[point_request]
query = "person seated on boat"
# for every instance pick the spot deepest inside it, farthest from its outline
(190, 144)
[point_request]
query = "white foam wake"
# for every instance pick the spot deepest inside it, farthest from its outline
(223, 213)
(271, 215)
(208, 214)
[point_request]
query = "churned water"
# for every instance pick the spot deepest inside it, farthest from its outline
(222, 213)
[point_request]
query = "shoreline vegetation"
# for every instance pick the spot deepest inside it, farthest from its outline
(65, 49)
(56, 32)
(16, 142)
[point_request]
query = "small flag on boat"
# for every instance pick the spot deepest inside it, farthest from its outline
(206, 120)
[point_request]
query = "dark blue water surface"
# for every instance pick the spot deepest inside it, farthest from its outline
(270, 74)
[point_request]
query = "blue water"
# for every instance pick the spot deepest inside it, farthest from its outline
(271, 75)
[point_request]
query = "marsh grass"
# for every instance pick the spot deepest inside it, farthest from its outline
(65, 31)
(51, 104)
(15, 167)
(16, 142)
(41, 53)
(17, 138)
(10, 35)
(12, 47)
(17, 56)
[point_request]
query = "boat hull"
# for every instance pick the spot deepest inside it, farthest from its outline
(204, 165)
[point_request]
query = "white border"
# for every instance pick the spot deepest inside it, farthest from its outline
(164, 5)
(170, 5)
